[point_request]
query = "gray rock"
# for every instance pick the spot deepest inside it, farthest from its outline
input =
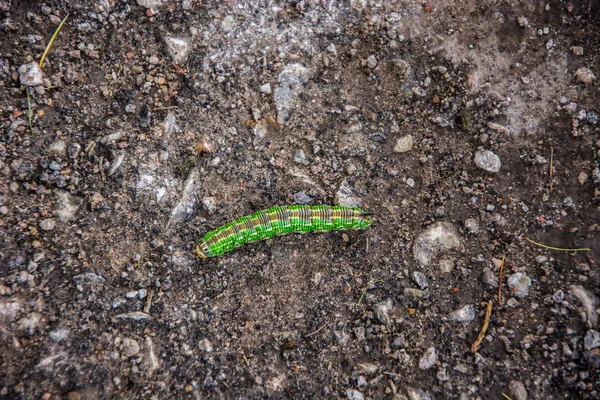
(371, 61)
(345, 196)
(592, 117)
(404, 144)
(178, 48)
(464, 314)
(440, 237)
(382, 311)
(518, 390)
(129, 347)
(228, 23)
(151, 3)
(142, 293)
(589, 302)
(416, 394)
(420, 279)
(59, 334)
(488, 161)
(132, 294)
(300, 157)
(74, 150)
(428, 359)
(31, 74)
(519, 284)
(186, 206)
(490, 278)
(584, 74)
(66, 205)
(355, 127)
(47, 224)
(367, 368)
(289, 85)
(209, 204)
(58, 147)
(591, 340)
(134, 316)
(472, 225)
(266, 88)
(352, 394)
(302, 198)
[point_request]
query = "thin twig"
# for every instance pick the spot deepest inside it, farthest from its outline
(551, 159)
(246, 360)
(318, 330)
(486, 323)
(557, 248)
(29, 112)
(52, 41)
(500, 281)
(506, 396)
(148, 303)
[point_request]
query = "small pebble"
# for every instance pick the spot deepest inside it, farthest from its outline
(371, 61)
(404, 144)
(31, 74)
(428, 359)
(47, 224)
(410, 182)
(488, 161)
(577, 50)
(519, 284)
(132, 294)
(585, 75)
(266, 88)
(302, 198)
(464, 314)
(420, 279)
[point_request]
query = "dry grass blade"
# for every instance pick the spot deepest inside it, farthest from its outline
(500, 281)
(362, 295)
(506, 396)
(486, 323)
(52, 41)
(545, 246)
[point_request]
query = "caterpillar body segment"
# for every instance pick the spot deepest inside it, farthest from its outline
(281, 220)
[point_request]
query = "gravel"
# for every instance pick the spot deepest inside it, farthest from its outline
(153, 122)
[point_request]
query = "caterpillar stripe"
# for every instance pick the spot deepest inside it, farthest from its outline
(280, 220)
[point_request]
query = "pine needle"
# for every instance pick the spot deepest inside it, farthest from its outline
(545, 246)
(52, 41)
(486, 323)
(506, 396)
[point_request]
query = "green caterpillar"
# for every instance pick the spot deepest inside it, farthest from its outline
(280, 221)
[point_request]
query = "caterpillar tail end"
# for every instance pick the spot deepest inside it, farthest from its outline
(199, 252)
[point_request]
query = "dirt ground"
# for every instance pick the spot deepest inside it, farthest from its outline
(469, 129)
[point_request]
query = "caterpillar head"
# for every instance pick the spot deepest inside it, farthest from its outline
(202, 249)
(365, 221)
